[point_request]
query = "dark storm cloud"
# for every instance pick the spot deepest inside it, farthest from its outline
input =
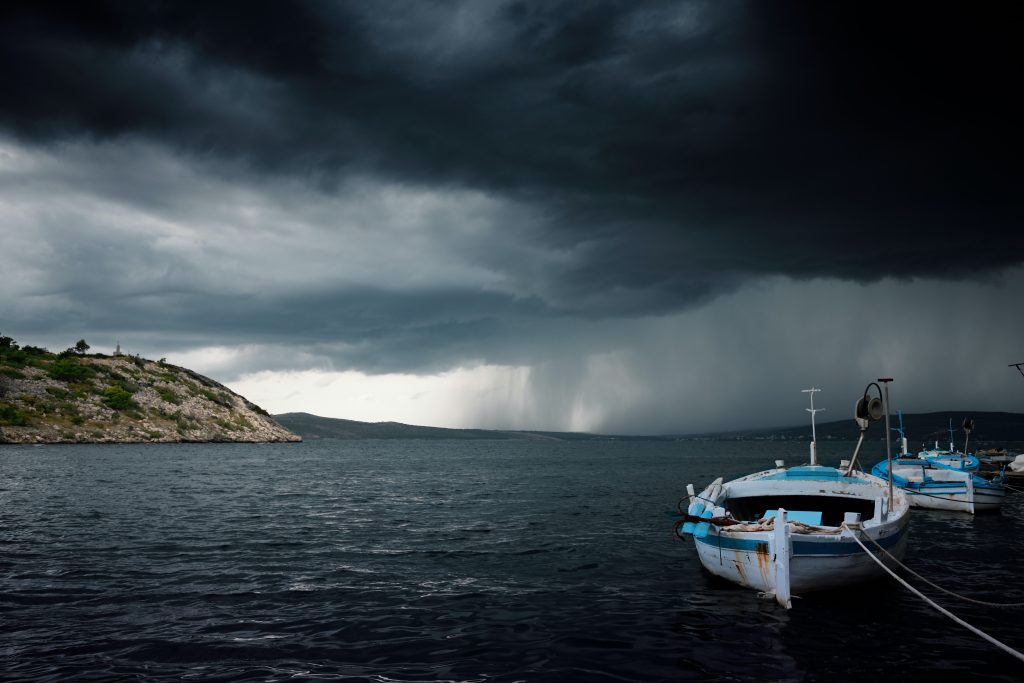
(679, 149)
(620, 216)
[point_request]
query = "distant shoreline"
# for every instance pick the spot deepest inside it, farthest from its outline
(925, 428)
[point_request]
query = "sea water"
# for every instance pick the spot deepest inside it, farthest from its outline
(450, 561)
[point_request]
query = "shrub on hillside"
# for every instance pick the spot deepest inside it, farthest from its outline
(117, 397)
(168, 395)
(9, 415)
(68, 369)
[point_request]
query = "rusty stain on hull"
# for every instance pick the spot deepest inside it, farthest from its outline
(764, 561)
(742, 572)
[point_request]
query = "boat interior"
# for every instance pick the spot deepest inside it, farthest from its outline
(831, 508)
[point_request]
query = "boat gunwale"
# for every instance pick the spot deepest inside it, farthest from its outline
(857, 485)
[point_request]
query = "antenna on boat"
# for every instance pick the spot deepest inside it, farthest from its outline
(952, 446)
(888, 440)
(865, 411)
(814, 433)
(903, 437)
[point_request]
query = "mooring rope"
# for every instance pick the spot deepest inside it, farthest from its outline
(973, 629)
(938, 587)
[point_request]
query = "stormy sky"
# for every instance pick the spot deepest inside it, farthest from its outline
(628, 217)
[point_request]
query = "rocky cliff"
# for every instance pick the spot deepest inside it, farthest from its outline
(70, 398)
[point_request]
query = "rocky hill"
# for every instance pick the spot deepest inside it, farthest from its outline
(79, 398)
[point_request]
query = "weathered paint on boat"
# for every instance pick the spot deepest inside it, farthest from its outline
(821, 556)
(933, 485)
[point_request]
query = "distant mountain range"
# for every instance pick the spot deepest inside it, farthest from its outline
(923, 428)
(920, 428)
(312, 427)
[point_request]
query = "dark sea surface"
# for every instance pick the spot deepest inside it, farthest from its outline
(450, 561)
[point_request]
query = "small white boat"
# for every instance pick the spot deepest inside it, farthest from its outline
(1014, 471)
(943, 479)
(931, 483)
(786, 531)
(959, 460)
(994, 459)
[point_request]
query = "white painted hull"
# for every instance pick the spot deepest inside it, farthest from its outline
(812, 548)
(937, 487)
(833, 562)
(957, 501)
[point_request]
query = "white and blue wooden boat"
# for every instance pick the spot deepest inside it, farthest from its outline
(964, 462)
(939, 479)
(787, 531)
(960, 460)
(933, 484)
(992, 461)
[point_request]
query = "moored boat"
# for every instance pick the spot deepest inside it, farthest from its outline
(1015, 470)
(944, 479)
(787, 531)
(935, 485)
(959, 460)
(992, 461)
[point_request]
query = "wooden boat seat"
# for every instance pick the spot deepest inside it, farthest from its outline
(812, 517)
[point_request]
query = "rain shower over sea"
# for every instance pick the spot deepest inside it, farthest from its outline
(450, 561)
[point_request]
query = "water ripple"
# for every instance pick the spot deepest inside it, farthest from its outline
(431, 561)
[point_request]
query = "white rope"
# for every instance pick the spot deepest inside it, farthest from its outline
(944, 590)
(1002, 646)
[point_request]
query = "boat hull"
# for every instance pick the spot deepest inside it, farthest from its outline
(956, 499)
(936, 487)
(802, 530)
(816, 563)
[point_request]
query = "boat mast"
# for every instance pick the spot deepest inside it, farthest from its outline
(888, 437)
(814, 433)
(952, 446)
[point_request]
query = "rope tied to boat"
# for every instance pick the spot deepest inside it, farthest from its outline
(973, 629)
(907, 569)
(764, 524)
(717, 521)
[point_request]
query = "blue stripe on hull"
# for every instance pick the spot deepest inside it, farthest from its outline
(836, 548)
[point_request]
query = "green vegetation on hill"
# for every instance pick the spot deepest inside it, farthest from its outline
(75, 397)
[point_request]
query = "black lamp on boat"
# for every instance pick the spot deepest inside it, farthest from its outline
(968, 426)
(866, 410)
